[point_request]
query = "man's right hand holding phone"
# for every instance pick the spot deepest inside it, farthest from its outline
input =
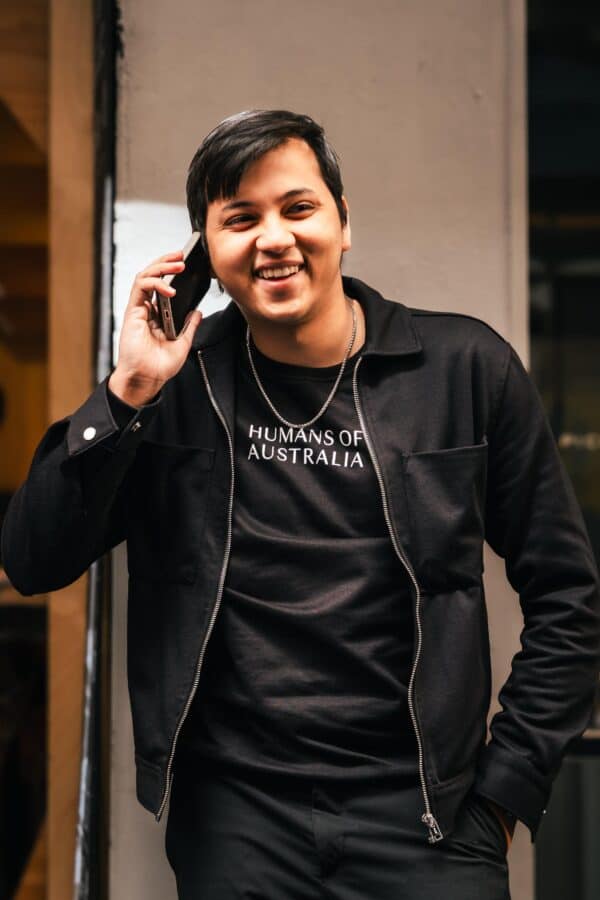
(147, 360)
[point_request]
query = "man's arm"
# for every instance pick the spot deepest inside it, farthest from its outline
(534, 522)
(70, 509)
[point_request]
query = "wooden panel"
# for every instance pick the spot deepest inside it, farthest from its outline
(24, 383)
(71, 205)
(24, 64)
(16, 146)
(23, 326)
(70, 381)
(24, 269)
(23, 305)
(33, 881)
(23, 242)
(23, 202)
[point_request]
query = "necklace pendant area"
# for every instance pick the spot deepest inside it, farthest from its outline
(332, 393)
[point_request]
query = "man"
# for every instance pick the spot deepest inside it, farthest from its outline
(305, 482)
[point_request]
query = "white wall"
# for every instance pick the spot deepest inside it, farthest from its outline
(424, 102)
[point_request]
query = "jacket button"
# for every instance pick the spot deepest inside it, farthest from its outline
(89, 433)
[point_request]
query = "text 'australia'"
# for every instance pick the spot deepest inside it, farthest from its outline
(306, 446)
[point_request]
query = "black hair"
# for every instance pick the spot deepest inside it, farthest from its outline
(226, 152)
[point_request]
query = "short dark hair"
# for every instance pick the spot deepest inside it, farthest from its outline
(226, 152)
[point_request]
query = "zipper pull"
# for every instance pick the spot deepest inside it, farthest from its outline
(435, 833)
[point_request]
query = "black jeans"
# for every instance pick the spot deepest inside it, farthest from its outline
(262, 839)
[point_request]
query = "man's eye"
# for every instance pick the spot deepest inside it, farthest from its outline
(302, 206)
(238, 220)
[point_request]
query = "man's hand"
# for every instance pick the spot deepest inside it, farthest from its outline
(147, 359)
(506, 820)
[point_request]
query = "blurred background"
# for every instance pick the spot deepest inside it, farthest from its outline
(470, 145)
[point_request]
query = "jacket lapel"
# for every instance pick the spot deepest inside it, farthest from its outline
(218, 340)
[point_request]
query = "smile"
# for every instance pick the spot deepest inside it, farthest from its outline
(278, 273)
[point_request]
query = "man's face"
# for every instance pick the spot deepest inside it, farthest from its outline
(276, 246)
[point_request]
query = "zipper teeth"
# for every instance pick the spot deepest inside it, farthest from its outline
(217, 604)
(428, 814)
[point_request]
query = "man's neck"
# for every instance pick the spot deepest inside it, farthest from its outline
(318, 343)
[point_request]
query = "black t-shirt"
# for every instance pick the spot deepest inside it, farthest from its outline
(307, 668)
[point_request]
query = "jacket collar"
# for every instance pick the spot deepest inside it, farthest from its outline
(389, 326)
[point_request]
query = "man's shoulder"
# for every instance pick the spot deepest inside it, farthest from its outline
(396, 320)
(468, 329)
(459, 342)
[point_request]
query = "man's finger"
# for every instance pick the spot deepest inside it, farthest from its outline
(144, 288)
(164, 267)
(173, 256)
(153, 315)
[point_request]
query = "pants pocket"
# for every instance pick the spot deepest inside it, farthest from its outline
(479, 831)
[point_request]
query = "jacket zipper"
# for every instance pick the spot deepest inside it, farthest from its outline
(435, 833)
(196, 681)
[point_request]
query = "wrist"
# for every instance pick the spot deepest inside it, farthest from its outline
(132, 390)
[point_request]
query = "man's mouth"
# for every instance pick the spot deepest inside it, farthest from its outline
(278, 273)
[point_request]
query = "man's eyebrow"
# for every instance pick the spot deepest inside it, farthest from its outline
(242, 204)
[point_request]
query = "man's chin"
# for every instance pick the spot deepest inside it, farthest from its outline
(275, 309)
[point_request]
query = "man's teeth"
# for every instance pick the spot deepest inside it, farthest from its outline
(282, 272)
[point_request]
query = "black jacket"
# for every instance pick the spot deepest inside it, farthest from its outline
(463, 452)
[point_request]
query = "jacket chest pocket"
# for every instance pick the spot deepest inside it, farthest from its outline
(446, 506)
(167, 511)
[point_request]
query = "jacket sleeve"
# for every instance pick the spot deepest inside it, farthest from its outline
(534, 522)
(70, 510)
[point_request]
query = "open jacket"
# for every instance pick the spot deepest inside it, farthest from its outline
(463, 453)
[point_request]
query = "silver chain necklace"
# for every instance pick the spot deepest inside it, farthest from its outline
(332, 392)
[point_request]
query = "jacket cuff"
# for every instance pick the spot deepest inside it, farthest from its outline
(122, 412)
(512, 782)
(93, 423)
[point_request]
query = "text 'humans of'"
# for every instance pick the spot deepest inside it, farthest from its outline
(307, 456)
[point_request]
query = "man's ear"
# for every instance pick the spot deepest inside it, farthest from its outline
(210, 265)
(214, 275)
(346, 232)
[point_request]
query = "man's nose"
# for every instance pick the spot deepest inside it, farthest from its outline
(275, 236)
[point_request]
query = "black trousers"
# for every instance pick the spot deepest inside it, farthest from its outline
(268, 839)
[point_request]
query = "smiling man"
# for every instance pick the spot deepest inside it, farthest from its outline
(277, 248)
(305, 481)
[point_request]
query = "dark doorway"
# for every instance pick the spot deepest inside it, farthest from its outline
(564, 205)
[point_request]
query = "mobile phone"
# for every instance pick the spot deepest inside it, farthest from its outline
(191, 286)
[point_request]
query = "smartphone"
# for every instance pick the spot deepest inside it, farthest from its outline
(191, 286)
